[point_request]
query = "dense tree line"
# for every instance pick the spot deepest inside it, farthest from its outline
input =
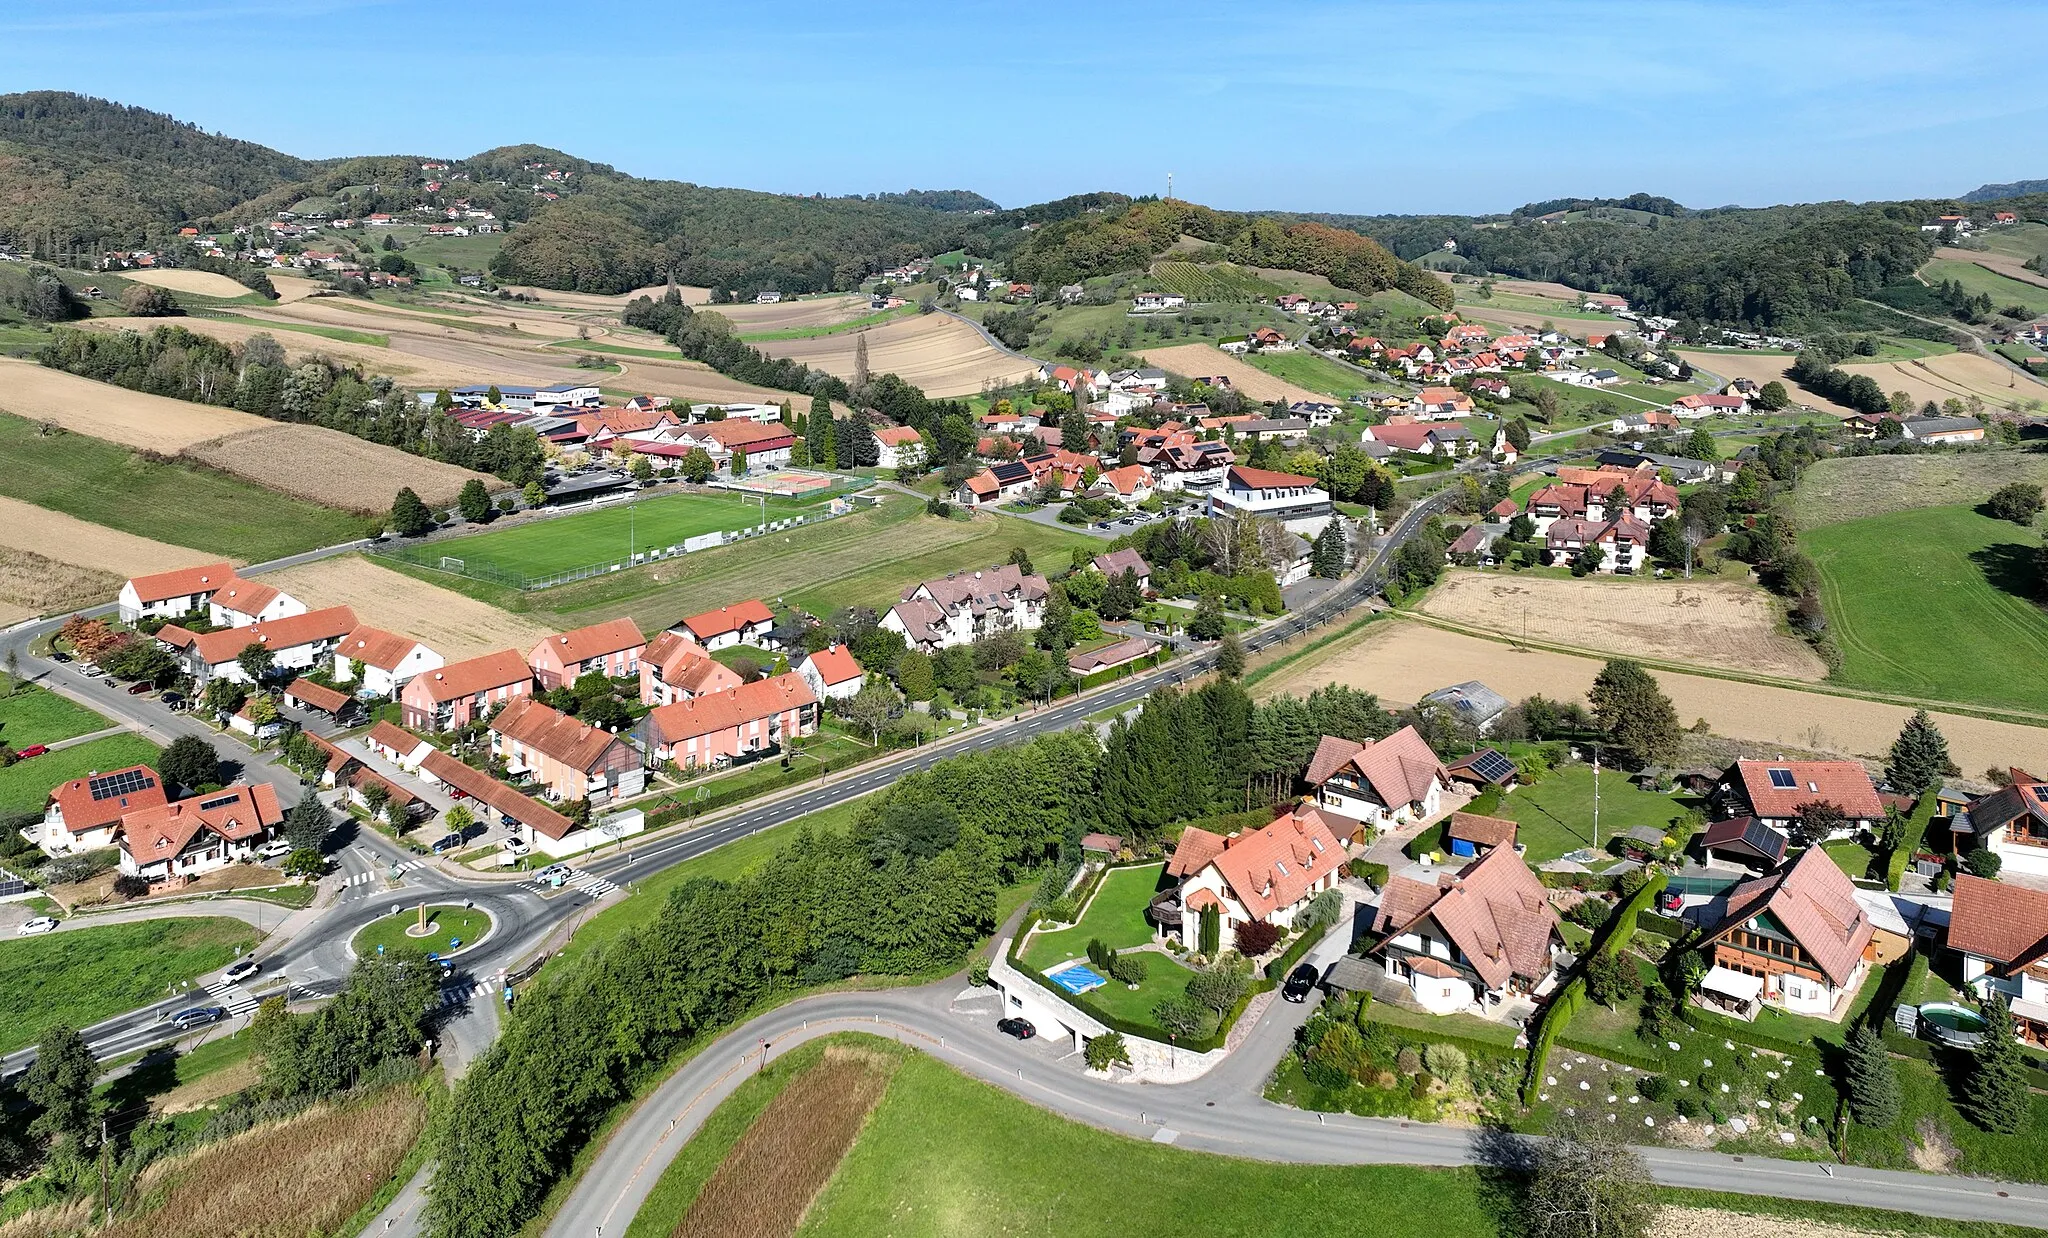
(256, 377)
(708, 338)
(1105, 243)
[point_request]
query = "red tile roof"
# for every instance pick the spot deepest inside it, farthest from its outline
(595, 641)
(235, 813)
(247, 597)
(83, 812)
(1193, 852)
(835, 665)
(1267, 479)
(182, 582)
(1486, 831)
(553, 734)
(392, 736)
(1117, 562)
(327, 700)
(485, 789)
(1815, 903)
(1275, 865)
(1399, 768)
(375, 647)
(729, 619)
(226, 644)
(2005, 924)
(479, 674)
(1494, 910)
(1841, 783)
(722, 711)
(746, 435)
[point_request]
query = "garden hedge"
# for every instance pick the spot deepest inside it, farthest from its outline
(1556, 1017)
(1659, 925)
(1916, 829)
(1278, 968)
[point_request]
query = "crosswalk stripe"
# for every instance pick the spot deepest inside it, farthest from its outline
(232, 997)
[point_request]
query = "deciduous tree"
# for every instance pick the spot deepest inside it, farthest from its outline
(1588, 1183)
(474, 501)
(409, 516)
(189, 762)
(1632, 710)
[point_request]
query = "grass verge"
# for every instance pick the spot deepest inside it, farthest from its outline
(78, 977)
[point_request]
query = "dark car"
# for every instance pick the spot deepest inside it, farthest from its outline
(1670, 900)
(59, 655)
(173, 699)
(475, 830)
(1299, 982)
(1020, 1028)
(447, 842)
(198, 1016)
(137, 689)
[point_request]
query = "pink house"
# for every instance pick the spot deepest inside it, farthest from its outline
(572, 760)
(611, 648)
(675, 668)
(713, 729)
(463, 692)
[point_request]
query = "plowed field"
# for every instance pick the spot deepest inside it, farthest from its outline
(940, 354)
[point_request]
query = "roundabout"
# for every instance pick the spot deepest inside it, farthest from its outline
(437, 929)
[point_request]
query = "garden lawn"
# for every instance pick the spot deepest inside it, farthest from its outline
(1935, 603)
(30, 715)
(1115, 915)
(448, 924)
(945, 1155)
(545, 547)
(25, 785)
(76, 978)
(176, 503)
(1556, 815)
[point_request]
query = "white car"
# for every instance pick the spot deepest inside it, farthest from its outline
(240, 971)
(41, 924)
(517, 846)
(274, 849)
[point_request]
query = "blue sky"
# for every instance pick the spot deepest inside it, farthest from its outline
(1450, 106)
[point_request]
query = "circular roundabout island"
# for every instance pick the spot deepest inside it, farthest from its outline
(442, 930)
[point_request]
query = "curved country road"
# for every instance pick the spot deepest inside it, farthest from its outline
(1222, 1112)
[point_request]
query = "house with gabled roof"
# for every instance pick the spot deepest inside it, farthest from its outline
(1383, 783)
(953, 610)
(295, 642)
(1116, 562)
(611, 649)
(674, 667)
(899, 445)
(1798, 939)
(397, 745)
(2011, 822)
(167, 595)
(570, 758)
(239, 603)
(743, 623)
(754, 719)
(1300, 504)
(1744, 843)
(380, 663)
(1777, 792)
(81, 814)
(2001, 932)
(189, 838)
(1472, 939)
(1269, 874)
(832, 673)
(464, 692)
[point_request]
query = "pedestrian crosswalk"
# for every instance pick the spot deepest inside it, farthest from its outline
(466, 992)
(588, 883)
(232, 997)
(361, 879)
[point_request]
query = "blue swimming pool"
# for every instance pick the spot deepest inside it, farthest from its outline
(1077, 978)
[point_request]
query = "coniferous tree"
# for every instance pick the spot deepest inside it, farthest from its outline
(1997, 1098)
(1328, 554)
(1873, 1084)
(474, 501)
(307, 823)
(1632, 709)
(1919, 757)
(409, 516)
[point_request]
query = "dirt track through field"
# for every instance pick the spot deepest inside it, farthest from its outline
(452, 625)
(100, 410)
(1402, 660)
(205, 283)
(941, 354)
(1203, 360)
(1721, 624)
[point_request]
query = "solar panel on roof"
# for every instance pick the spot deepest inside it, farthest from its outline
(1783, 778)
(1491, 765)
(126, 782)
(219, 801)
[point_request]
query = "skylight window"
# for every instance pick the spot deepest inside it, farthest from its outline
(1783, 779)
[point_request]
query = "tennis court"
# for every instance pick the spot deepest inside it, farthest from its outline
(790, 482)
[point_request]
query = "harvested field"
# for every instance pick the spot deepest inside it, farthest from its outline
(1549, 289)
(1401, 661)
(1197, 360)
(293, 287)
(809, 312)
(331, 468)
(939, 353)
(1832, 491)
(767, 1182)
(1954, 376)
(454, 626)
(101, 410)
(205, 283)
(1996, 263)
(1676, 1222)
(67, 539)
(1721, 624)
(611, 301)
(1762, 368)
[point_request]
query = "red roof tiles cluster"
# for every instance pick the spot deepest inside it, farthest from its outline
(722, 711)
(1268, 868)
(182, 582)
(2005, 924)
(553, 734)
(235, 813)
(1779, 789)
(1816, 904)
(82, 810)
(1494, 910)
(471, 676)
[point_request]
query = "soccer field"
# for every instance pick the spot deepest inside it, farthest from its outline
(544, 547)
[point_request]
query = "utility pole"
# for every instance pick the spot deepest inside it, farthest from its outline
(106, 1213)
(1596, 797)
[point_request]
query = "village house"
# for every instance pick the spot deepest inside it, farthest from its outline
(240, 603)
(190, 838)
(295, 642)
(1109, 657)
(900, 446)
(936, 614)
(1590, 495)
(524, 818)
(1383, 783)
(1269, 874)
(1156, 302)
(1187, 465)
(1299, 503)
(1798, 939)
(1116, 562)
(1623, 543)
(464, 692)
(743, 623)
(1778, 792)
(2001, 933)
(81, 814)
(1694, 407)
(611, 649)
(832, 673)
(1132, 483)
(1440, 404)
(752, 720)
(1428, 440)
(169, 595)
(396, 745)
(675, 667)
(2011, 823)
(380, 663)
(1476, 939)
(570, 759)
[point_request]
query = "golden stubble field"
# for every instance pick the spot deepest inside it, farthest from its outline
(613, 302)
(1203, 360)
(1954, 376)
(784, 315)
(332, 468)
(940, 354)
(1402, 661)
(452, 625)
(204, 283)
(51, 563)
(1761, 368)
(100, 410)
(1722, 624)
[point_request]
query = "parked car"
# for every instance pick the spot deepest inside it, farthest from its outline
(173, 699)
(241, 970)
(137, 689)
(58, 655)
(475, 830)
(36, 927)
(33, 750)
(1299, 982)
(198, 1016)
(447, 842)
(276, 848)
(1020, 1028)
(93, 672)
(457, 793)
(556, 872)
(517, 846)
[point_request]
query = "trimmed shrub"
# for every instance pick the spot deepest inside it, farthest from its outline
(1254, 937)
(1127, 968)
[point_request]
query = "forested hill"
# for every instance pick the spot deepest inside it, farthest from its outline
(1104, 242)
(1771, 267)
(75, 171)
(1998, 193)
